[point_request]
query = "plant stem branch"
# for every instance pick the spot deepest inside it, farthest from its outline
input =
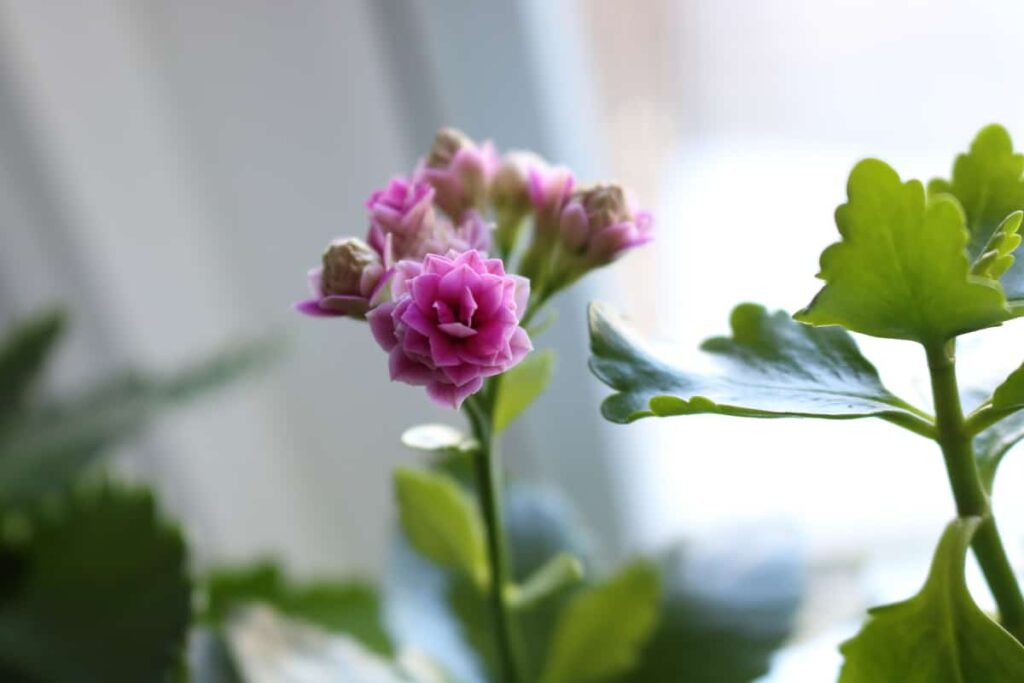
(972, 500)
(489, 485)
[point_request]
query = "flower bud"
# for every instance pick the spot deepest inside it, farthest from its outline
(460, 171)
(601, 222)
(510, 196)
(346, 282)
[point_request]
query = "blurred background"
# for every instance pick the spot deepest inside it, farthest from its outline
(169, 169)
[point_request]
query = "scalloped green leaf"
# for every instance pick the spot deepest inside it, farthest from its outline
(988, 181)
(902, 269)
(940, 635)
(771, 366)
(602, 631)
(98, 591)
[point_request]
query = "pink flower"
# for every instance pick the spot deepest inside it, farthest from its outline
(600, 223)
(345, 284)
(453, 321)
(550, 188)
(404, 224)
(460, 171)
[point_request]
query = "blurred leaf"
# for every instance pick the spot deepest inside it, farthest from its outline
(995, 442)
(561, 571)
(770, 367)
(101, 592)
(23, 353)
(939, 634)
(270, 647)
(442, 521)
(901, 270)
(601, 633)
(351, 607)
(520, 386)
(445, 615)
(48, 448)
(988, 183)
(208, 658)
(724, 611)
(433, 438)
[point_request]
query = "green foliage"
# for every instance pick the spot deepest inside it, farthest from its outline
(98, 591)
(988, 183)
(770, 367)
(1010, 394)
(520, 386)
(351, 607)
(724, 612)
(561, 571)
(442, 522)
(23, 353)
(601, 632)
(902, 270)
(939, 634)
(997, 255)
(994, 443)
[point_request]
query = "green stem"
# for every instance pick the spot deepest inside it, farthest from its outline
(968, 491)
(488, 478)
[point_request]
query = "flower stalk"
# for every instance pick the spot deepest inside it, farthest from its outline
(487, 467)
(972, 500)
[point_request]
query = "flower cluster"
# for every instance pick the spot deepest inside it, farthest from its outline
(449, 316)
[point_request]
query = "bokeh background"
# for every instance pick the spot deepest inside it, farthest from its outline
(169, 169)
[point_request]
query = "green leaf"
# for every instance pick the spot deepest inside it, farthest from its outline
(725, 610)
(939, 634)
(901, 270)
(442, 521)
(99, 591)
(994, 443)
(770, 367)
(988, 183)
(48, 448)
(997, 255)
(1010, 394)
(601, 632)
(559, 572)
(351, 607)
(23, 352)
(520, 386)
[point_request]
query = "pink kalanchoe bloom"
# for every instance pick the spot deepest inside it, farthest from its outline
(346, 283)
(600, 223)
(461, 172)
(453, 321)
(404, 224)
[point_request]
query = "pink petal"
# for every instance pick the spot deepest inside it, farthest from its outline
(443, 351)
(457, 330)
(452, 396)
(404, 369)
(382, 326)
(311, 307)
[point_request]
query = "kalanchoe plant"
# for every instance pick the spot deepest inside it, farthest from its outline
(453, 316)
(922, 266)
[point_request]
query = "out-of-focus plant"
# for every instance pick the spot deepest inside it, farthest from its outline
(916, 264)
(94, 583)
(493, 582)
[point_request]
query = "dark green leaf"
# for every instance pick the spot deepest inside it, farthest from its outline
(601, 632)
(48, 448)
(902, 269)
(939, 634)
(560, 572)
(442, 521)
(100, 593)
(994, 443)
(351, 607)
(724, 612)
(23, 352)
(988, 183)
(770, 367)
(520, 386)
